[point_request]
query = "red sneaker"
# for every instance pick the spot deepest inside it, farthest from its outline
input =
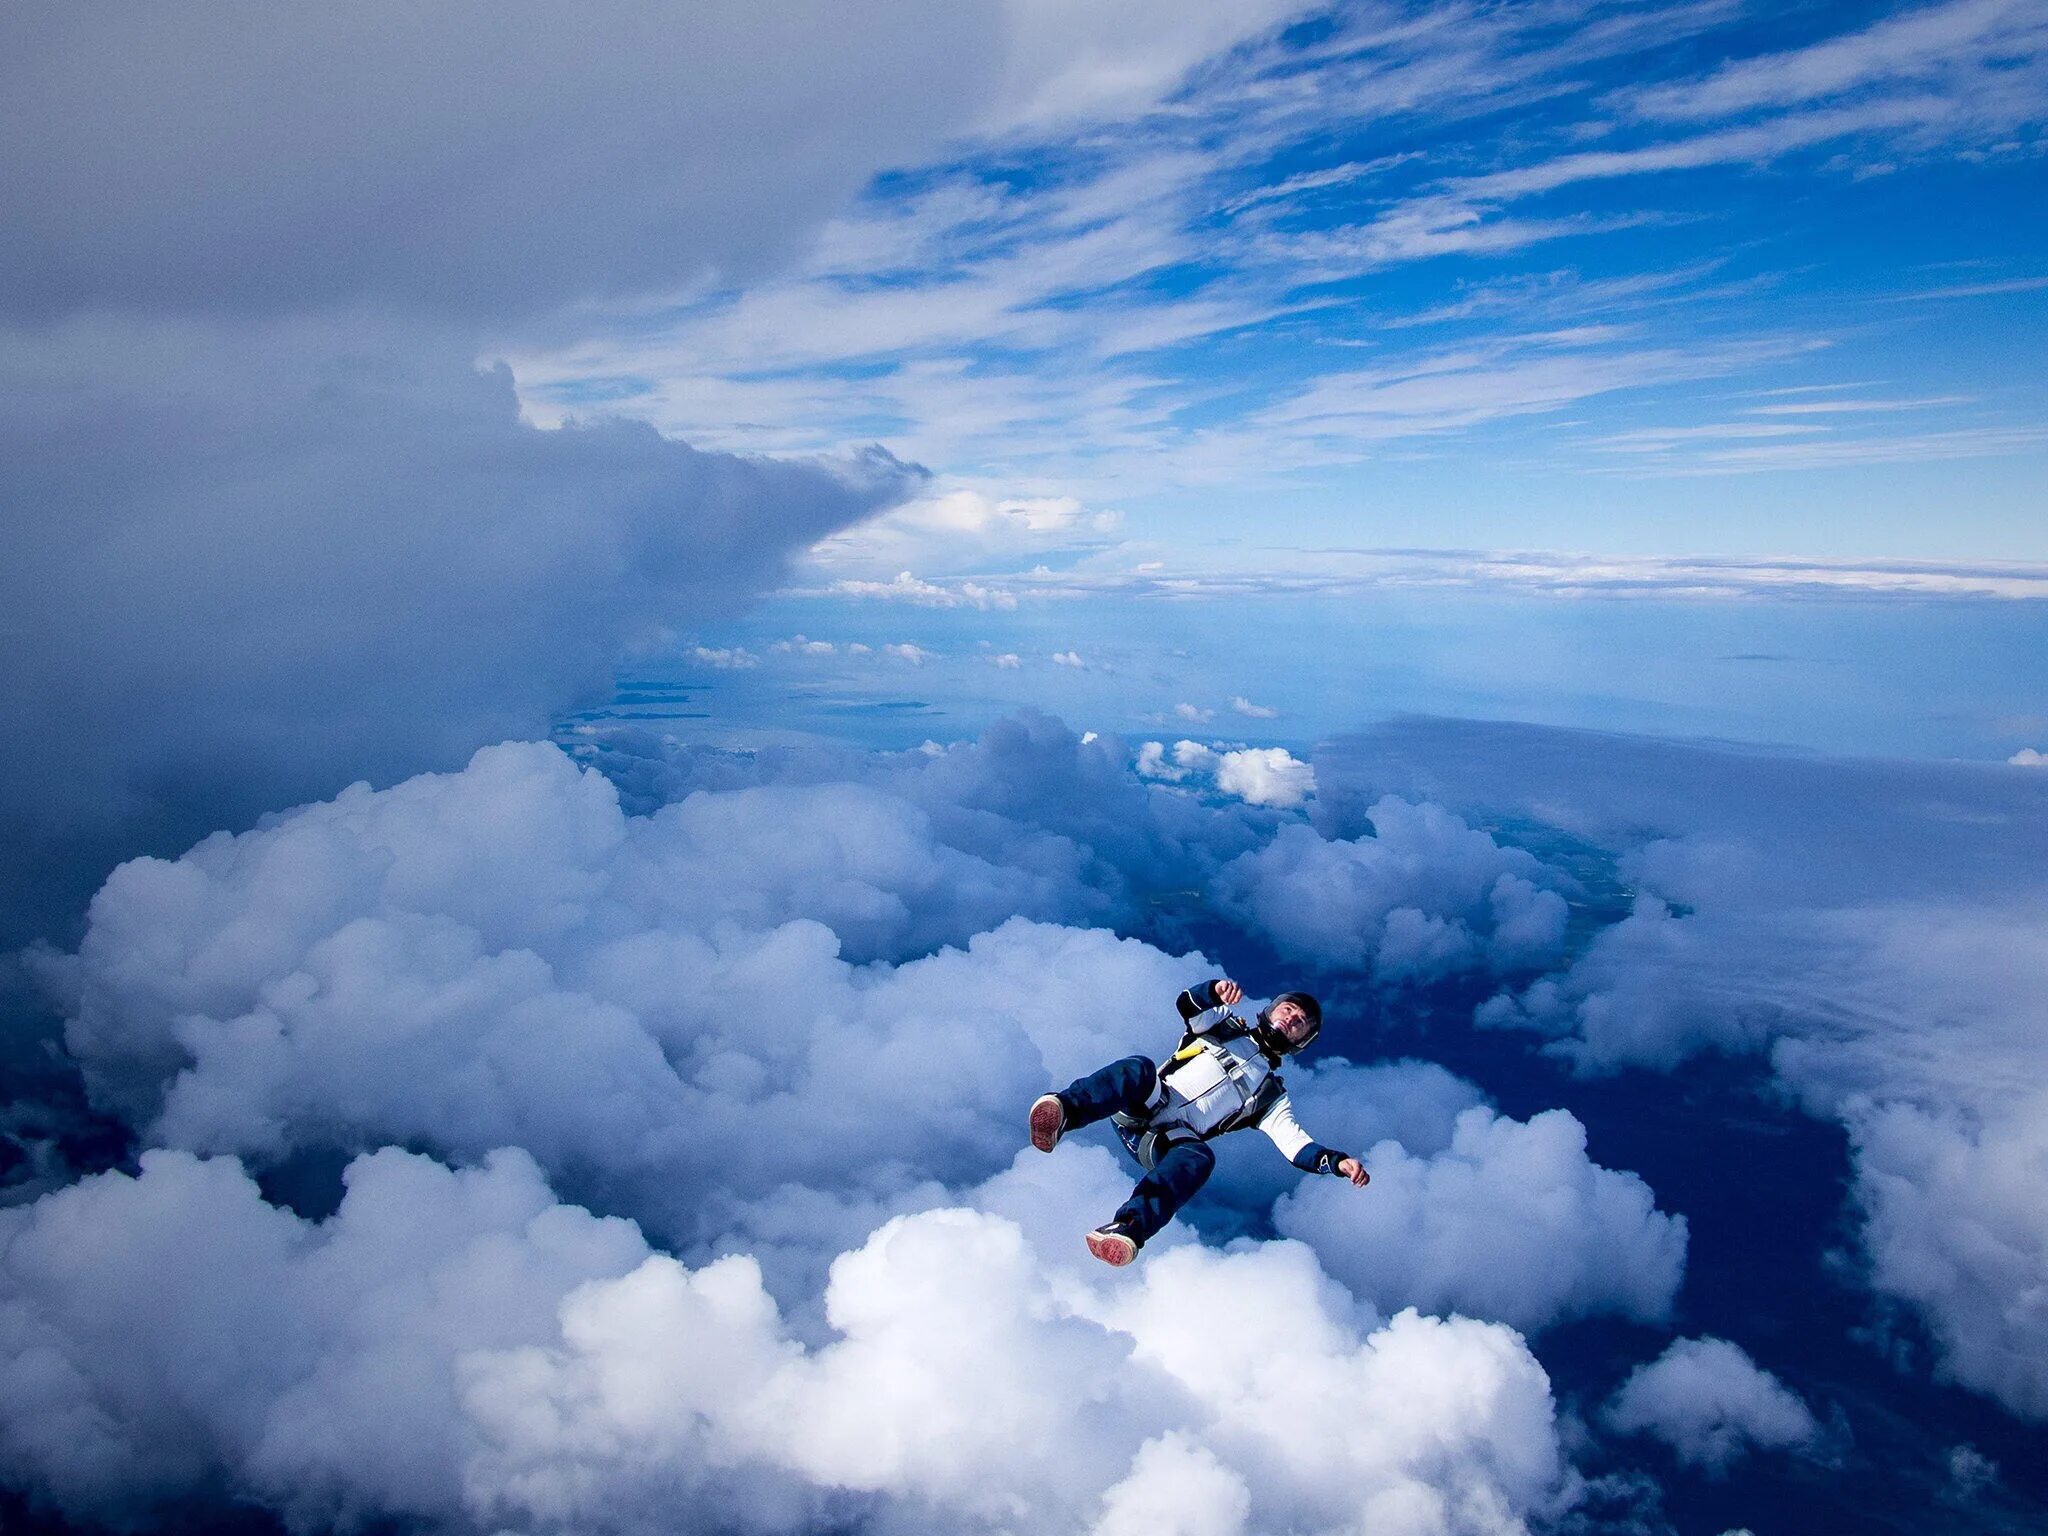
(1048, 1121)
(1113, 1245)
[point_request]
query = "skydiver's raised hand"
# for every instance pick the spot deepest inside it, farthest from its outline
(1229, 993)
(1352, 1169)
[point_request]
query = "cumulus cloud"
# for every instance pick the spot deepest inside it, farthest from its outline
(1028, 792)
(1951, 1228)
(1510, 1221)
(1178, 1487)
(274, 516)
(1009, 661)
(1266, 776)
(803, 645)
(2028, 757)
(1712, 1404)
(1245, 706)
(1424, 895)
(780, 1022)
(916, 655)
(1269, 776)
(1193, 712)
(1874, 928)
(349, 974)
(727, 658)
(456, 1346)
(1187, 757)
(1069, 659)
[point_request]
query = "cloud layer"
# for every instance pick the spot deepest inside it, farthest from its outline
(1873, 929)
(712, 1177)
(455, 1346)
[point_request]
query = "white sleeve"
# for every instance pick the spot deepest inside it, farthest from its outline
(1284, 1130)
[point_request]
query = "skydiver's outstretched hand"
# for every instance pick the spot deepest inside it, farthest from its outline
(1229, 993)
(1352, 1169)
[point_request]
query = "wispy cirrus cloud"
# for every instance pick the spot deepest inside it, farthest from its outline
(1174, 298)
(1930, 45)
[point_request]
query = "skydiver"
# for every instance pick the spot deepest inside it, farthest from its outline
(1225, 1076)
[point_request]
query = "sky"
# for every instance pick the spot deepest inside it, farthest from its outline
(1656, 280)
(628, 630)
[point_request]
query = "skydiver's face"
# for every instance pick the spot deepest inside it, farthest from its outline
(1287, 1017)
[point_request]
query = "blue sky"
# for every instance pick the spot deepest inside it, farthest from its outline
(1632, 279)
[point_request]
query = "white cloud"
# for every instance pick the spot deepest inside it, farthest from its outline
(1266, 776)
(803, 645)
(1510, 1222)
(455, 1346)
(736, 1019)
(958, 529)
(2028, 757)
(1069, 659)
(1009, 661)
(1245, 706)
(1175, 1488)
(1909, 1017)
(1068, 59)
(732, 658)
(1708, 1401)
(173, 1326)
(1922, 46)
(1178, 764)
(916, 655)
(1152, 763)
(333, 978)
(1194, 713)
(1269, 776)
(908, 588)
(1423, 895)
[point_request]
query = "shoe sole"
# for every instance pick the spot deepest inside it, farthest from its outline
(1048, 1121)
(1113, 1248)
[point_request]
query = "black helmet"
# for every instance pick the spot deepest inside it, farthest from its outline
(1271, 1038)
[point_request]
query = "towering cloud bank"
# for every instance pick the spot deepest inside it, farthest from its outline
(254, 565)
(268, 527)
